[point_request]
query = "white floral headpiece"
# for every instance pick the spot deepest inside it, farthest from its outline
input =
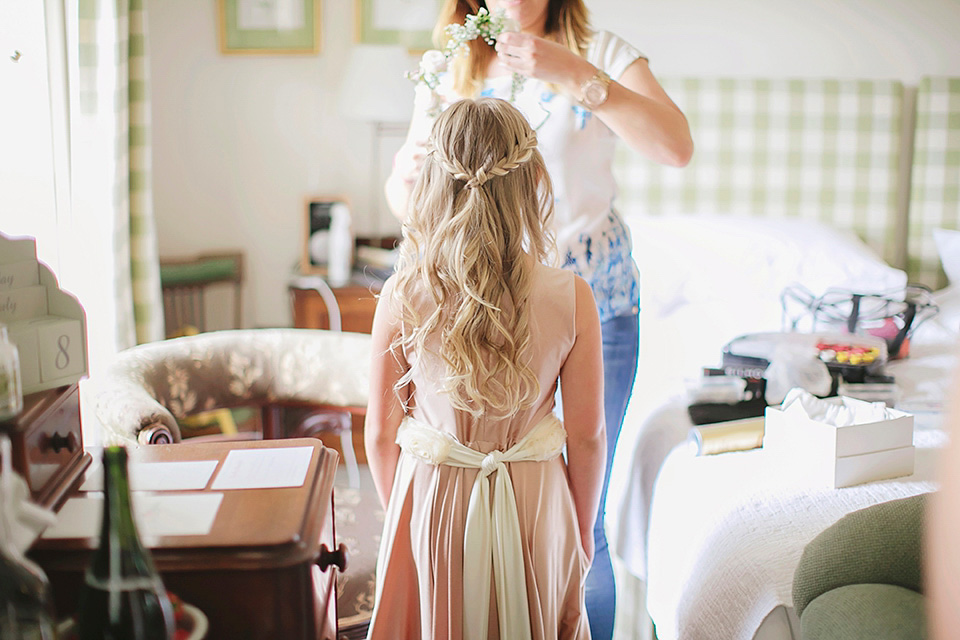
(434, 62)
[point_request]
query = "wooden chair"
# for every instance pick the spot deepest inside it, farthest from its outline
(152, 388)
(186, 283)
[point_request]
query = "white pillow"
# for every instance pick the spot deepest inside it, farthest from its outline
(731, 259)
(948, 247)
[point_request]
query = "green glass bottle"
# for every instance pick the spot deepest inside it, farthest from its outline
(26, 605)
(122, 597)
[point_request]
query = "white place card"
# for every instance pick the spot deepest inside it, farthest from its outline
(165, 514)
(157, 476)
(264, 468)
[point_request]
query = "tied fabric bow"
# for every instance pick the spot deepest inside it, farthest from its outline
(492, 542)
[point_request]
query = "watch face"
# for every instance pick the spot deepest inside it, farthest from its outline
(594, 94)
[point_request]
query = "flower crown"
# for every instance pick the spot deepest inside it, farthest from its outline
(484, 25)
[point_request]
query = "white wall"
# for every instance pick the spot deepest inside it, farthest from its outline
(240, 141)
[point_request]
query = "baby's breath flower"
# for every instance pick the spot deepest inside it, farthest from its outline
(481, 25)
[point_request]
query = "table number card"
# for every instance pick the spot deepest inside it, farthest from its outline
(46, 323)
(50, 348)
(61, 350)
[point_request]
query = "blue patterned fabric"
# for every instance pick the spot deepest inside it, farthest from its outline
(605, 262)
(601, 254)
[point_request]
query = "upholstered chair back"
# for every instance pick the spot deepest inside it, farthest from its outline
(151, 386)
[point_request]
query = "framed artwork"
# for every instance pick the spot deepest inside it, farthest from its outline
(318, 219)
(269, 26)
(408, 23)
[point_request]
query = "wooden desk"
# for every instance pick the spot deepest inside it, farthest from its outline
(261, 572)
(46, 439)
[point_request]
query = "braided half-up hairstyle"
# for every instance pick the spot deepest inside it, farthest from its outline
(475, 229)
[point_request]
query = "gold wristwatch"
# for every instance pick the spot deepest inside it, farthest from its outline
(594, 91)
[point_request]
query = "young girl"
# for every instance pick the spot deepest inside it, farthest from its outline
(488, 531)
(586, 90)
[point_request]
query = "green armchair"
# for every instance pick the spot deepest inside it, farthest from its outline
(860, 578)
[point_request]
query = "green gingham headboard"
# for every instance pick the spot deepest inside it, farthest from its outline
(814, 148)
(935, 183)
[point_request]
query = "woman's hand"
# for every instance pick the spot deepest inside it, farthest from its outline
(544, 60)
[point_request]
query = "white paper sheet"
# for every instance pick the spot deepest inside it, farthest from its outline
(157, 476)
(168, 514)
(264, 468)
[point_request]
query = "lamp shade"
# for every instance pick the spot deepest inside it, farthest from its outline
(375, 87)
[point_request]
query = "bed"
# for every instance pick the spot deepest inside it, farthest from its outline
(793, 181)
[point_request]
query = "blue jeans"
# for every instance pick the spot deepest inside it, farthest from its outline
(621, 338)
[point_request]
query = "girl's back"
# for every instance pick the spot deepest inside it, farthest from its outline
(552, 307)
(422, 554)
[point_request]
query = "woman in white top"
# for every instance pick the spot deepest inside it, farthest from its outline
(584, 90)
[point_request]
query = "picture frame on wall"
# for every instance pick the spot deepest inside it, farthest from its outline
(408, 23)
(267, 27)
(319, 212)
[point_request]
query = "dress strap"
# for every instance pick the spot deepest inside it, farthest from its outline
(492, 542)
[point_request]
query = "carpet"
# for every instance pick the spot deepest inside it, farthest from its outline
(358, 519)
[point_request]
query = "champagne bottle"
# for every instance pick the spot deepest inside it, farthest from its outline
(26, 605)
(122, 597)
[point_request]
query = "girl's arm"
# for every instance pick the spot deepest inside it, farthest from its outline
(384, 407)
(581, 386)
(637, 108)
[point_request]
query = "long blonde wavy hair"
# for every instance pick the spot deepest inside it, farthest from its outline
(476, 226)
(567, 23)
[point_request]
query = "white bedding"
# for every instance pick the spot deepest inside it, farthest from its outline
(726, 533)
(719, 555)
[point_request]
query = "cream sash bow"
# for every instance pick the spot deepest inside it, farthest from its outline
(492, 530)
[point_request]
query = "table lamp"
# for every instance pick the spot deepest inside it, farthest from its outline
(375, 90)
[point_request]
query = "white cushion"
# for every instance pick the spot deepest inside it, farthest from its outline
(723, 258)
(948, 247)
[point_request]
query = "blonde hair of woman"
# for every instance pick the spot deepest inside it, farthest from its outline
(476, 226)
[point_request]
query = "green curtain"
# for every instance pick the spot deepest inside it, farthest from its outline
(114, 89)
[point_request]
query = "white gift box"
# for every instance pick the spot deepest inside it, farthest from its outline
(840, 455)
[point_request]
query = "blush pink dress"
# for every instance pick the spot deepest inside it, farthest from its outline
(420, 569)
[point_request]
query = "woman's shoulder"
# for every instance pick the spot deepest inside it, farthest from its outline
(612, 53)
